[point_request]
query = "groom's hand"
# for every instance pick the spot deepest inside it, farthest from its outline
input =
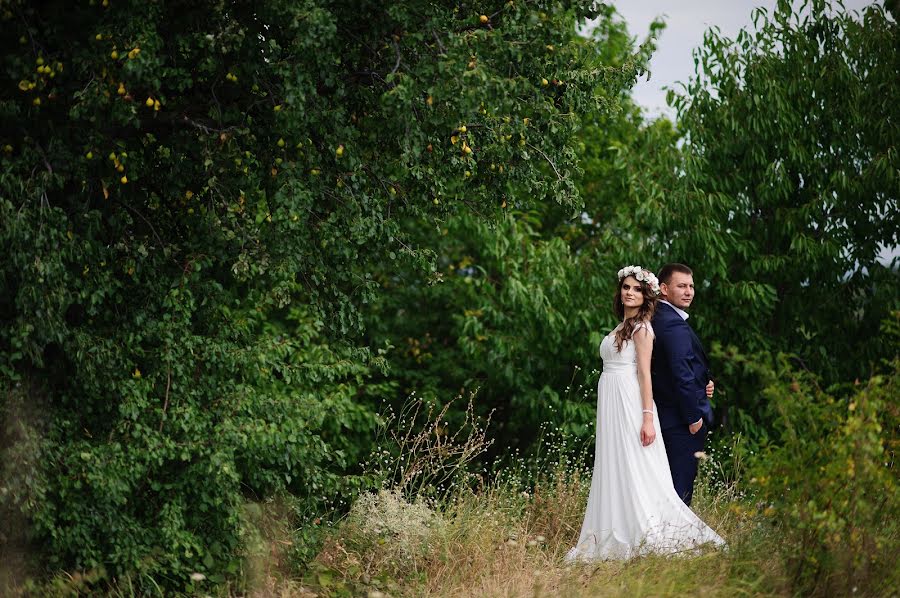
(694, 428)
(710, 389)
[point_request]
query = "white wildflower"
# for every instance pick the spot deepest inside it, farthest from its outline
(388, 520)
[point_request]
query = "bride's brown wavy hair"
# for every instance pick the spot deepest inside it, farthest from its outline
(645, 312)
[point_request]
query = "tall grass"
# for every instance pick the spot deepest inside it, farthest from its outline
(499, 540)
(507, 537)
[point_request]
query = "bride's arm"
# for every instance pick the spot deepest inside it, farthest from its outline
(643, 346)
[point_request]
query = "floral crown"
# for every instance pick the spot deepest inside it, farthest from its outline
(642, 276)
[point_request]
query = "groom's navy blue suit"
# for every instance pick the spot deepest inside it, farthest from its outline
(679, 371)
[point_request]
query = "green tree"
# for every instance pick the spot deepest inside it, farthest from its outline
(518, 306)
(192, 199)
(786, 188)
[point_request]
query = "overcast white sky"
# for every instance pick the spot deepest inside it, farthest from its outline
(686, 20)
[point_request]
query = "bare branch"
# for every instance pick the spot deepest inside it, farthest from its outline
(438, 40)
(547, 158)
(166, 402)
(144, 218)
(397, 65)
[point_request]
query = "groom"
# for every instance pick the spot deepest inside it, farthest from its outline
(680, 376)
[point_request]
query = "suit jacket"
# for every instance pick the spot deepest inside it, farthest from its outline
(679, 371)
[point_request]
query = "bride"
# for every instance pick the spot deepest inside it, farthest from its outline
(633, 507)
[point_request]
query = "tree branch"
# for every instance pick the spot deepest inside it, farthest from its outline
(166, 402)
(547, 158)
(397, 65)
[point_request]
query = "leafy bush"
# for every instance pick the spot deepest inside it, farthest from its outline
(828, 481)
(156, 491)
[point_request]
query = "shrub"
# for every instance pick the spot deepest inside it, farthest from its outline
(828, 481)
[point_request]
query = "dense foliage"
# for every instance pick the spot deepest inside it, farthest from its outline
(788, 201)
(788, 233)
(839, 526)
(792, 234)
(521, 302)
(191, 200)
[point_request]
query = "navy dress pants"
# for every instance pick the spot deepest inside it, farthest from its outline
(680, 448)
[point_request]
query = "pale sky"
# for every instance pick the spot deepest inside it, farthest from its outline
(686, 21)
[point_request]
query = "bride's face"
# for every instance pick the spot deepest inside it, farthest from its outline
(631, 293)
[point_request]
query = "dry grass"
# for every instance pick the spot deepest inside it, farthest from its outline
(268, 539)
(501, 542)
(494, 540)
(498, 540)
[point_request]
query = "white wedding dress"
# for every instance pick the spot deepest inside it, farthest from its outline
(632, 508)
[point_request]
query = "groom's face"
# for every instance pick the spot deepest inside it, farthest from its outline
(679, 291)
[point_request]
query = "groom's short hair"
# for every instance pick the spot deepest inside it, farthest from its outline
(666, 272)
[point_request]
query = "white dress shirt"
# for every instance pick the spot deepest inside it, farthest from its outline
(684, 315)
